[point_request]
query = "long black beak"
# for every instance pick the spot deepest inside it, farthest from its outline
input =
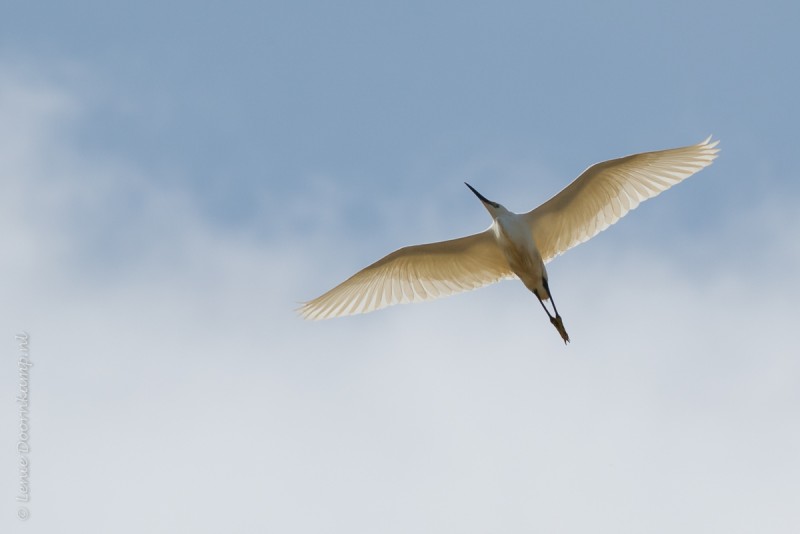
(483, 198)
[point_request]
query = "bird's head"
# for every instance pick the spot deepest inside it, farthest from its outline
(493, 208)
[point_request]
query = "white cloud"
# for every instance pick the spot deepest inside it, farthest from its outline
(175, 389)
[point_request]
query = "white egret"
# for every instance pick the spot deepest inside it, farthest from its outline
(515, 245)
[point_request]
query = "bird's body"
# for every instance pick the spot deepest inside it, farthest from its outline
(516, 241)
(515, 245)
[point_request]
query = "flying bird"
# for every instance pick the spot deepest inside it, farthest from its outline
(516, 245)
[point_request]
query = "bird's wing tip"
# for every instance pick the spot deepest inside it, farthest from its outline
(707, 143)
(305, 311)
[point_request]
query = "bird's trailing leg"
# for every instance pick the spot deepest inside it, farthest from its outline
(555, 321)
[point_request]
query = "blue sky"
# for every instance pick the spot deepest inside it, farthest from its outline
(175, 179)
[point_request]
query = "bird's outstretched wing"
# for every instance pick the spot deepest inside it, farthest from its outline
(606, 191)
(413, 274)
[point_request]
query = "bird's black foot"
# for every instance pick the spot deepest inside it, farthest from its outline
(556, 321)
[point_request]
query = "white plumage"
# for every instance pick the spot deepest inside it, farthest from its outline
(515, 244)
